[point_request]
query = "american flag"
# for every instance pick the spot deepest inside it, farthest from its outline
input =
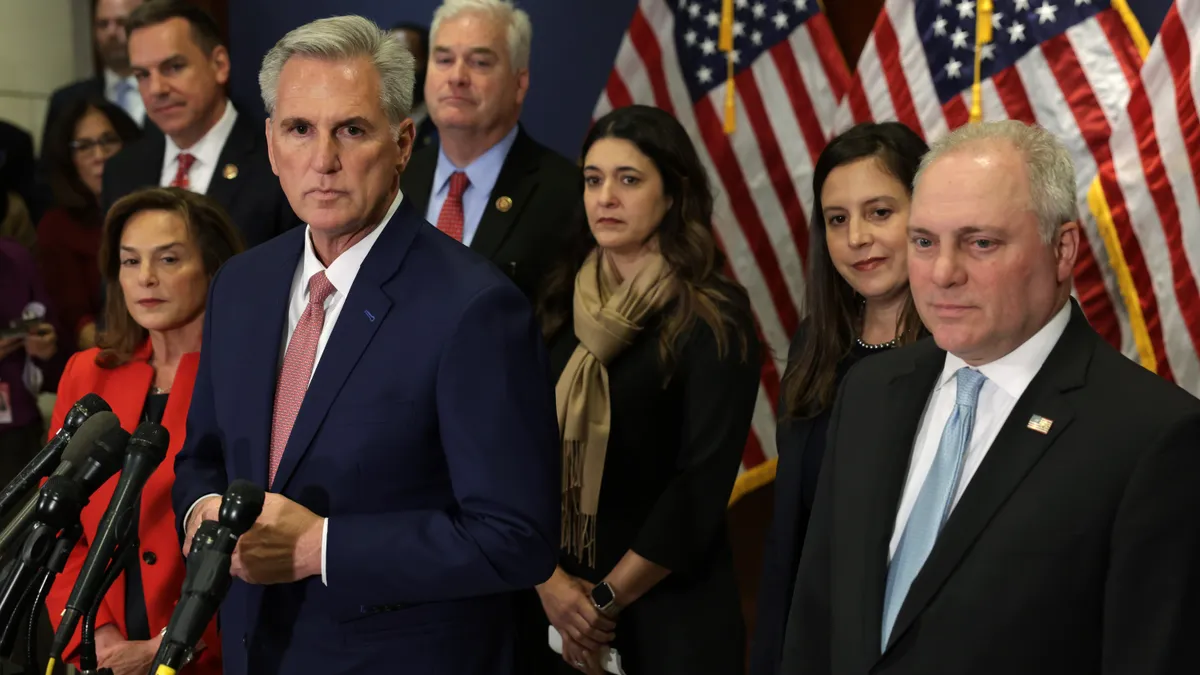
(1067, 65)
(1149, 188)
(789, 76)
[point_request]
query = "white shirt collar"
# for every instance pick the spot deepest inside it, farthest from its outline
(345, 268)
(1014, 371)
(207, 150)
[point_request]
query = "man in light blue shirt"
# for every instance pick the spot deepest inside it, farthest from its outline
(487, 183)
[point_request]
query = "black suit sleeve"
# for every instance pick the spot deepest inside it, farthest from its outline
(806, 640)
(719, 396)
(1152, 592)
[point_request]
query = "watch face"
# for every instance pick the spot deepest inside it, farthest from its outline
(602, 595)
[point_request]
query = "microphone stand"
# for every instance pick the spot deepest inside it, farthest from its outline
(125, 553)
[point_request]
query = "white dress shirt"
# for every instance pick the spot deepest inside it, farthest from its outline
(132, 102)
(207, 152)
(1007, 379)
(341, 273)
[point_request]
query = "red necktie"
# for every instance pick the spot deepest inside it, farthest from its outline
(450, 220)
(181, 175)
(297, 367)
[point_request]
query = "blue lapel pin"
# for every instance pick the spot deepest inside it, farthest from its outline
(369, 315)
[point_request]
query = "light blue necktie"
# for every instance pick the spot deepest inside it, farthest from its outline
(933, 502)
(124, 89)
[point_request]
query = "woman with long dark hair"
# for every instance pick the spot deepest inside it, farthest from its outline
(657, 361)
(856, 303)
(79, 145)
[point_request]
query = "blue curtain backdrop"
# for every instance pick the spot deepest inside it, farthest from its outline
(574, 44)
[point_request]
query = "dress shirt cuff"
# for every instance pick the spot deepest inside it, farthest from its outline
(324, 539)
(187, 517)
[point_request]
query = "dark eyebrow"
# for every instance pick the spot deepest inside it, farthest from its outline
(591, 167)
(174, 59)
(157, 249)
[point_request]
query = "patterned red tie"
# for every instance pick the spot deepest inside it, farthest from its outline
(297, 367)
(450, 220)
(181, 174)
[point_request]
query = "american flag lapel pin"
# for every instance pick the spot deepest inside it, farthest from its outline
(1040, 424)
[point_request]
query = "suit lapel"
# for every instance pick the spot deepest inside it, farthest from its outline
(364, 311)
(148, 165)
(1014, 453)
(241, 142)
(261, 358)
(899, 416)
(515, 183)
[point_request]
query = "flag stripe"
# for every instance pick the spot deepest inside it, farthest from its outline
(893, 73)
(642, 36)
(617, 92)
(742, 202)
(1012, 92)
(833, 63)
(794, 86)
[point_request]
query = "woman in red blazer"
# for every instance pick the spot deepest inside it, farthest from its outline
(160, 249)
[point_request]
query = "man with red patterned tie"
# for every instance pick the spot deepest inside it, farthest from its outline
(386, 384)
(205, 145)
(487, 183)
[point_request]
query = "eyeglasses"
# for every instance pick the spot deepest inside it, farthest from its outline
(107, 143)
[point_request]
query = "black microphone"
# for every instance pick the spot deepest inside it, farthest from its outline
(146, 450)
(55, 522)
(39, 467)
(208, 578)
(77, 450)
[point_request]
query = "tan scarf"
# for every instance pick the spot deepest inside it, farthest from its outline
(608, 317)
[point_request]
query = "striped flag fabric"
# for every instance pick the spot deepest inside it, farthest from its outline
(789, 77)
(1149, 193)
(1067, 65)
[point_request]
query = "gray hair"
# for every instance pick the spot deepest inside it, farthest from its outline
(1047, 161)
(341, 38)
(520, 29)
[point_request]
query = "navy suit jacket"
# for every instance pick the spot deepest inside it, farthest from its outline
(428, 437)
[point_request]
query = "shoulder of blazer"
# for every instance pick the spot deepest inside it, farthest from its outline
(138, 164)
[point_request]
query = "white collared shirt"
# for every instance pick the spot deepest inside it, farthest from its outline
(341, 273)
(133, 103)
(1007, 379)
(207, 152)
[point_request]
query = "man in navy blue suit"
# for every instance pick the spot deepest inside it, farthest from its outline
(389, 387)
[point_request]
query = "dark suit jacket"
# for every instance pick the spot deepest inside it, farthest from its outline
(428, 437)
(546, 191)
(1073, 551)
(253, 198)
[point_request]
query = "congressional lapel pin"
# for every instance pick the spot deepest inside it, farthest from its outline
(230, 171)
(504, 204)
(369, 315)
(1040, 424)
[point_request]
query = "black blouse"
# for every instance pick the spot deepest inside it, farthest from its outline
(137, 621)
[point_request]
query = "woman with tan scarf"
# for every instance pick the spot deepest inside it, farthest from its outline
(656, 360)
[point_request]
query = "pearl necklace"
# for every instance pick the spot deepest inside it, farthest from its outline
(883, 345)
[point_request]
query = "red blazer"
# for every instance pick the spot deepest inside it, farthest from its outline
(125, 388)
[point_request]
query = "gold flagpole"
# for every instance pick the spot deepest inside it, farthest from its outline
(983, 35)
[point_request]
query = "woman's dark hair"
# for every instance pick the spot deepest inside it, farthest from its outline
(833, 310)
(685, 238)
(210, 229)
(69, 190)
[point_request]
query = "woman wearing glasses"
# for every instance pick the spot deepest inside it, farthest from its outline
(77, 148)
